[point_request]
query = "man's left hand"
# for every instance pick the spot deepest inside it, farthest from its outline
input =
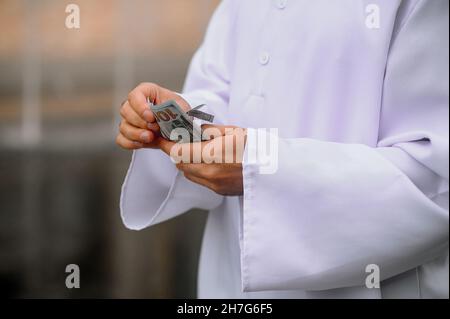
(215, 164)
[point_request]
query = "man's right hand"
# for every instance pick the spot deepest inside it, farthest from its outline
(138, 126)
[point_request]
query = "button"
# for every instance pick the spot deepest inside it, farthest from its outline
(264, 58)
(281, 4)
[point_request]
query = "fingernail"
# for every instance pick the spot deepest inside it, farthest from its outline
(148, 115)
(145, 137)
(153, 127)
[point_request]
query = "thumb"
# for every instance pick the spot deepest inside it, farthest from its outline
(164, 145)
(183, 152)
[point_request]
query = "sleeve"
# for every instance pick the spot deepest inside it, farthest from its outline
(331, 209)
(154, 190)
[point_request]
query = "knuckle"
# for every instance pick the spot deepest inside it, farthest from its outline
(128, 145)
(128, 133)
(123, 110)
(122, 142)
(131, 96)
(122, 127)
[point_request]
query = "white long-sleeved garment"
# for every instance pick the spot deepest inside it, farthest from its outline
(361, 106)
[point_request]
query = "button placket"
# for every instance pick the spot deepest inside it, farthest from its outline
(264, 58)
(281, 4)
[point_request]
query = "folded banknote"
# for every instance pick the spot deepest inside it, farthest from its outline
(170, 116)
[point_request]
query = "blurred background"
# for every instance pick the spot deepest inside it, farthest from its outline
(60, 172)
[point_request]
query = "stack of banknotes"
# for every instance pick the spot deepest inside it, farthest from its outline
(170, 116)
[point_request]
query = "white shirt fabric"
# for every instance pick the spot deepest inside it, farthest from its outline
(361, 107)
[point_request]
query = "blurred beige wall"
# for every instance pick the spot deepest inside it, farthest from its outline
(171, 27)
(88, 71)
(60, 171)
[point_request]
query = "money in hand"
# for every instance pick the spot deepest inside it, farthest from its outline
(177, 125)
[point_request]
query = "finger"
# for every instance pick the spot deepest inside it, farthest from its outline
(194, 169)
(136, 134)
(154, 127)
(184, 152)
(198, 180)
(125, 143)
(165, 145)
(181, 152)
(127, 113)
(188, 152)
(138, 100)
(212, 151)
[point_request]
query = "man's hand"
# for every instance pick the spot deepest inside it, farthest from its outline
(215, 164)
(138, 127)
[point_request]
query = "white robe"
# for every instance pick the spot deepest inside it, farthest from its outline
(362, 116)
